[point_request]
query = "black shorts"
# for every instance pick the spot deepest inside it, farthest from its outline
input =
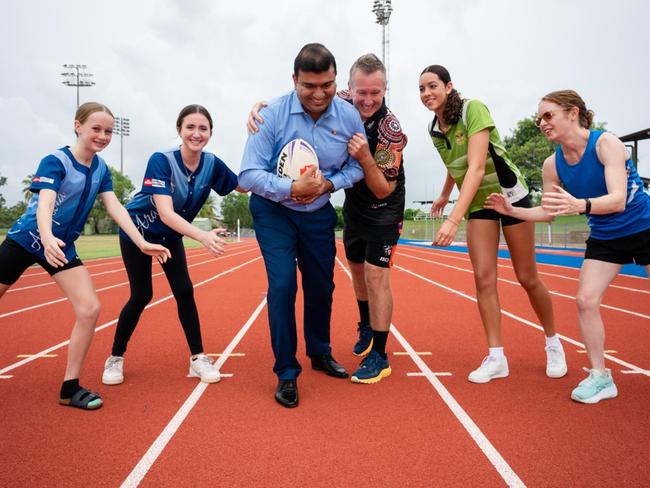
(15, 259)
(489, 214)
(634, 248)
(374, 245)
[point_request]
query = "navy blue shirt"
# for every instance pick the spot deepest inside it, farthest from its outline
(77, 187)
(167, 175)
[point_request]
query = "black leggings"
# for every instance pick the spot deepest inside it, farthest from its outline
(138, 268)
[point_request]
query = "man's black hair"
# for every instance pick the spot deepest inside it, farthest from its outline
(314, 58)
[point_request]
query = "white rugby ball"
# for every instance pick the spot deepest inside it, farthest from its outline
(295, 158)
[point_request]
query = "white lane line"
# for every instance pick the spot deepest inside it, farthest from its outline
(504, 280)
(404, 353)
(545, 273)
(140, 470)
(114, 321)
(36, 356)
(495, 458)
(525, 322)
(117, 270)
(442, 373)
(123, 283)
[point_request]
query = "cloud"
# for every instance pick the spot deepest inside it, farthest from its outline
(150, 58)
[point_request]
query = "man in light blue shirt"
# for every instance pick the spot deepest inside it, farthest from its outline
(294, 220)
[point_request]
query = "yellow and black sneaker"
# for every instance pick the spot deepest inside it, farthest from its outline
(372, 369)
(364, 344)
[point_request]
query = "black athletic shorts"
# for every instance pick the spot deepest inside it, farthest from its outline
(15, 259)
(372, 244)
(489, 214)
(634, 248)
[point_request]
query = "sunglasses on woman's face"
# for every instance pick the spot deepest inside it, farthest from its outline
(547, 116)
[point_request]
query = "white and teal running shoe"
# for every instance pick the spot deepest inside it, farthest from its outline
(595, 387)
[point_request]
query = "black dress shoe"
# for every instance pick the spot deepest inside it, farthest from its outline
(328, 364)
(286, 393)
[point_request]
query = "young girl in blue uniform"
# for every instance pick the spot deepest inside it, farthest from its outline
(590, 173)
(176, 184)
(65, 187)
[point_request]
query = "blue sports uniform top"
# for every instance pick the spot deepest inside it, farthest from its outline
(285, 120)
(167, 175)
(586, 179)
(77, 187)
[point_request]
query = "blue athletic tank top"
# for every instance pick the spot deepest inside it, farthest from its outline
(586, 179)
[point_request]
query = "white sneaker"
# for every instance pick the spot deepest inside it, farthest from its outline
(489, 369)
(555, 361)
(113, 370)
(202, 367)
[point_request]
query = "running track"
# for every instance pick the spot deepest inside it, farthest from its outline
(426, 425)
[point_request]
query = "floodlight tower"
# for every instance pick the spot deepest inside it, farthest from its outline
(382, 9)
(123, 129)
(77, 77)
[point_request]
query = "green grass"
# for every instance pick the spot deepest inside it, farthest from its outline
(108, 245)
(566, 231)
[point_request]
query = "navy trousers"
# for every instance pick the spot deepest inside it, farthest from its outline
(286, 238)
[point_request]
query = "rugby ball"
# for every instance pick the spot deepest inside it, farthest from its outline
(295, 158)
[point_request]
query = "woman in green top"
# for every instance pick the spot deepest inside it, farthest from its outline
(467, 140)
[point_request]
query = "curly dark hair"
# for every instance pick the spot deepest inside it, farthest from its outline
(454, 105)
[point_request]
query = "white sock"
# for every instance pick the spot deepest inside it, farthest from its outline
(496, 352)
(553, 341)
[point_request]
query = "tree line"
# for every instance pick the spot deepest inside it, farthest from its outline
(527, 147)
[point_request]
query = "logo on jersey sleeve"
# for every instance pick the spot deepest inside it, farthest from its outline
(43, 179)
(154, 183)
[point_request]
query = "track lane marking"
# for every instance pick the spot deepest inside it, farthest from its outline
(114, 321)
(64, 299)
(545, 273)
(89, 263)
(117, 270)
(504, 280)
(495, 458)
(142, 467)
(526, 322)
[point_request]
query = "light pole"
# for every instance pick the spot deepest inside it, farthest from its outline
(123, 128)
(382, 9)
(75, 76)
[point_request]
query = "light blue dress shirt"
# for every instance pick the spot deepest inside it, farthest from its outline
(284, 120)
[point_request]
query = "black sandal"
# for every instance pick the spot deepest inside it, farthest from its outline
(84, 399)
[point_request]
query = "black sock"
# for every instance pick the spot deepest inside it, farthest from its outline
(364, 312)
(379, 338)
(69, 388)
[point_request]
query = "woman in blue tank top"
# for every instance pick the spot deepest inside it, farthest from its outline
(591, 174)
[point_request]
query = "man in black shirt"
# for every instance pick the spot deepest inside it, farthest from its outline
(373, 213)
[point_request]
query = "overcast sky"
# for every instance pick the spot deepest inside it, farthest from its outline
(150, 58)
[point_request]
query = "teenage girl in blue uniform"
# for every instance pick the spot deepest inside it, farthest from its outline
(65, 187)
(590, 173)
(176, 184)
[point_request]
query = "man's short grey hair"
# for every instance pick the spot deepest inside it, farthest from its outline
(368, 64)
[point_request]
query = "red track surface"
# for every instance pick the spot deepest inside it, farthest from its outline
(408, 430)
